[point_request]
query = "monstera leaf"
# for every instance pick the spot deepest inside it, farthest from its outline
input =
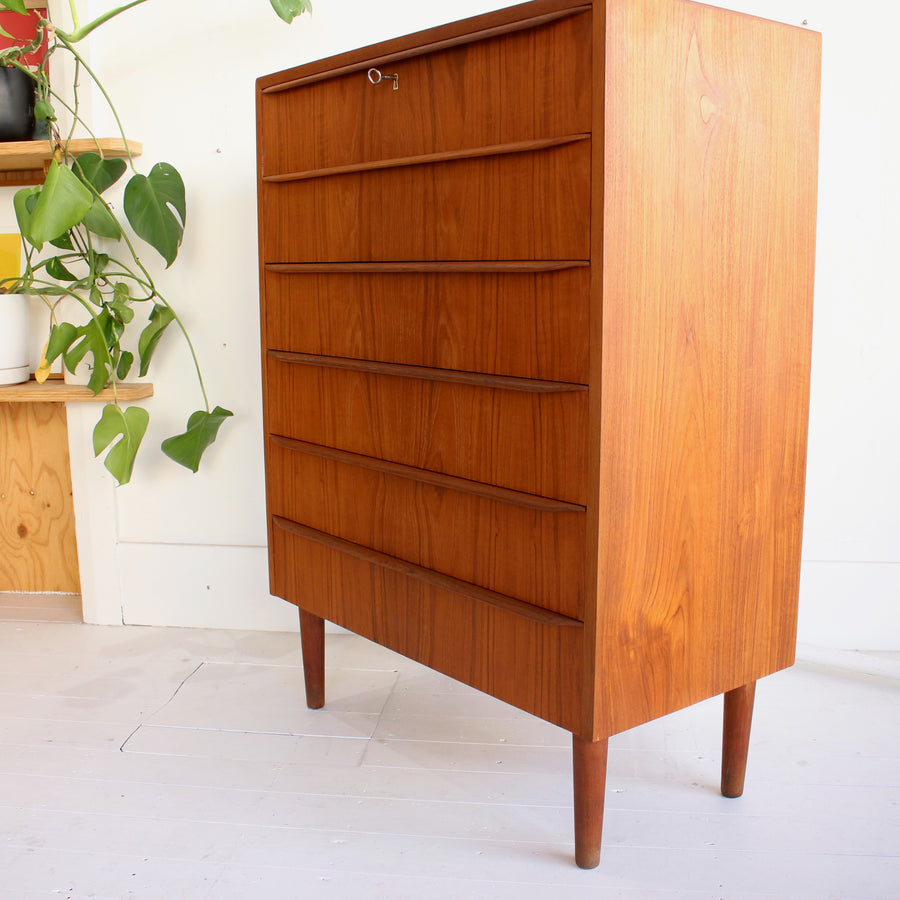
(159, 319)
(290, 9)
(202, 429)
(151, 204)
(74, 343)
(122, 430)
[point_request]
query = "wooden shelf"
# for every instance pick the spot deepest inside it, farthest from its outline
(26, 162)
(55, 390)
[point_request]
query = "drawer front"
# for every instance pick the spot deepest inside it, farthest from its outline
(517, 87)
(520, 324)
(532, 664)
(519, 206)
(529, 554)
(530, 442)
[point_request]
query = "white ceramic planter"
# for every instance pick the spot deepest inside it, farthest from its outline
(15, 365)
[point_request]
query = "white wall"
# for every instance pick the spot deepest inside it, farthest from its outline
(191, 548)
(850, 585)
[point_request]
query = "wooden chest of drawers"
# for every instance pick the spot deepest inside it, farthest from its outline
(536, 307)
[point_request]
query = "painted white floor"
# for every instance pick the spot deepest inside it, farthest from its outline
(183, 764)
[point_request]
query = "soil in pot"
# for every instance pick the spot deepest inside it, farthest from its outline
(16, 105)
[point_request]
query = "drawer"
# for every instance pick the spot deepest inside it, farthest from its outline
(525, 324)
(531, 661)
(532, 554)
(516, 87)
(518, 206)
(528, 441)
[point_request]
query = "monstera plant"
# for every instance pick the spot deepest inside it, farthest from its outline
(82, 256)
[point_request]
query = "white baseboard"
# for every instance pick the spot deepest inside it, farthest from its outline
(200, 586)
(845, 608)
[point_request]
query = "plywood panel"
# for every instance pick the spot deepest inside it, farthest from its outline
(37, 522)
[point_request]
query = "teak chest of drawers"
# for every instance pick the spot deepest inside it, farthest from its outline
(536, 312)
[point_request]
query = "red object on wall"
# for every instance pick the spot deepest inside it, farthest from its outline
(24, 29)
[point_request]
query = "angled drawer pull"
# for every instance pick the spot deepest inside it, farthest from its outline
(375, 76)
(443, 267)
(429, 576)
(426, 476)
(545, 65)
(427, 373)
(530, 146)
(466, 38)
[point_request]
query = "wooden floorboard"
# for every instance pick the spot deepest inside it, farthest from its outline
(155, 762)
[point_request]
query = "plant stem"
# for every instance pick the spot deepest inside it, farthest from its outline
(74, 12)
(79, 33)
(80, 59)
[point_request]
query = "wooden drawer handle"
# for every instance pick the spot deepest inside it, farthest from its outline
(375, 76)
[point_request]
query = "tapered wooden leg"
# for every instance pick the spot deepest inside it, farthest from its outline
(589, 771)
(312, 645)
(736, 738)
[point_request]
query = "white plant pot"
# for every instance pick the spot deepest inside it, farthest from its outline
(81, 375)
(15, 365)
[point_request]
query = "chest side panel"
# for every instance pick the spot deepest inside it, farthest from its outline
(707, 300)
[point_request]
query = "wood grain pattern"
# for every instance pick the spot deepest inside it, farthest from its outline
(665, 264)
(429, 373)
(533, 665)
(442, 267)
(312, 642)
(589, 759)
(429, 577)
(527, 325)
(736, 722)
(533, 443)
(710, 222)
(428, 158)
(26, 162)
(527, 554)
(435, 479)
(521, 206)
(357, 122)
(37, 519)
(444, 37)
(55, 390)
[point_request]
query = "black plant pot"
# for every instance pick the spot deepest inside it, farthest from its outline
(16, 105)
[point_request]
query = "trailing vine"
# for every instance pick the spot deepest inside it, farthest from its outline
(77, 246)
